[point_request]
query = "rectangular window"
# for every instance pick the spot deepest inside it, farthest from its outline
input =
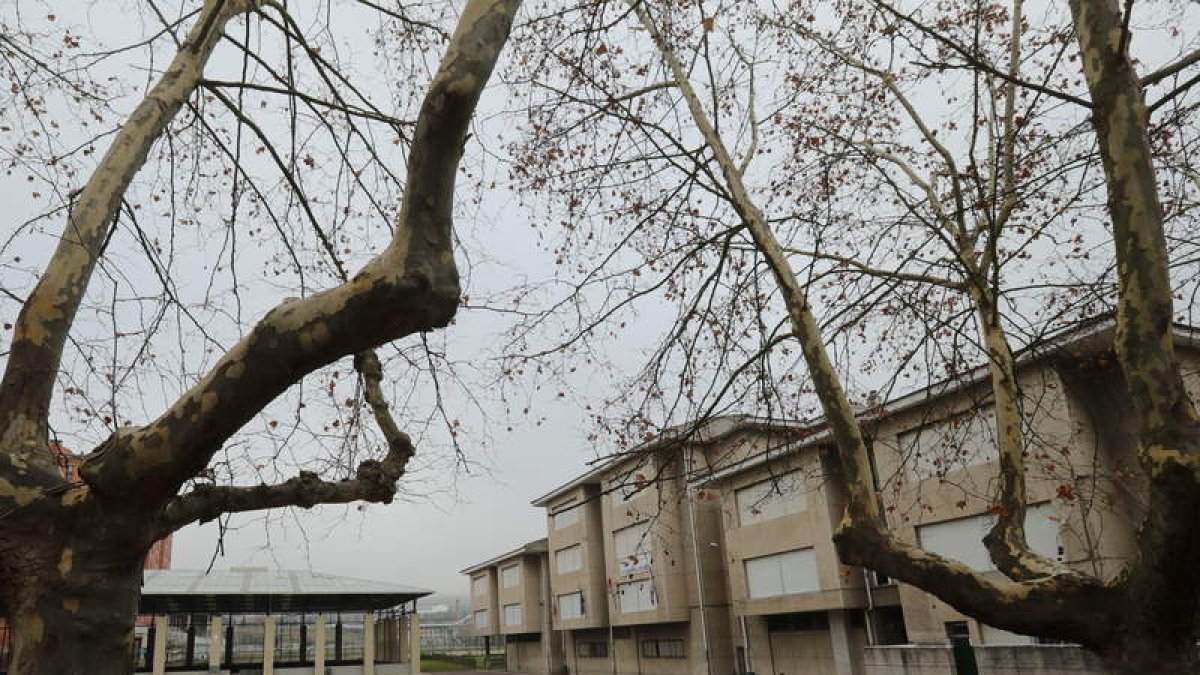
(570, 605)
(481, 618)
(569, 559)
(512, 615)
(962, 539)
(479, 585)
(510, 576)
(663, 649)
(591, 650)
(637, 596)
(772, 498)
(782, 574)
(632, 547)
(964, 440)
(566, 515)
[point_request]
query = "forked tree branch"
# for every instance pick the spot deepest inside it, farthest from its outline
(1049, 605)
(411, 287)
(374, 480)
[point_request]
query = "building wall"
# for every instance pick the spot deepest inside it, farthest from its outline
(527, 593)
(1022, 660)
(658, 506)
(590, 579)
(485, 597)
(840, 586)
(526, 656)
(1065, 463)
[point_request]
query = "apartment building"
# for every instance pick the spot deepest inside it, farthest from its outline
(794, 607)
(708, 550)
(508, 595)
(646, 549)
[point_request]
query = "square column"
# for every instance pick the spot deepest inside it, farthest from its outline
(159, 655)
(216, 634)
(369, 643)
(319, 645)
(414, 643)
(839, 636)
(269, 646)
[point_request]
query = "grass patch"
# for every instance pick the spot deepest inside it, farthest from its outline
(439, 666)
(445, 663)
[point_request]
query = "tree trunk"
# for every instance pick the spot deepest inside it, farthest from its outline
(71, 587)
(90, 633)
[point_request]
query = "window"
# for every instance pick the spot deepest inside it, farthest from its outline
(962, 539)
(512, 615)
(569, 559)
(663, 649)
(479, 585)
(961, 441)
(481, 619)
(570, 605)
(591, 650)
(632, 547)
(782, 574)
(566, 515)
(637, 596)
(510, 576)
(771, 498)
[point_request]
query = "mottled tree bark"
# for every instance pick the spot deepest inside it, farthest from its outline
(71, 553)
(1161, 596)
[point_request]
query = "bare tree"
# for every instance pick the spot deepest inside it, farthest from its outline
(884, 218)
(71, 552)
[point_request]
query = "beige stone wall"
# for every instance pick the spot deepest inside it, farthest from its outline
(840, 585)
(590, 579)
(484, 601)
(1071, 466)
(657, 505)
(527, 593)
(525, 657)
(1025, 660)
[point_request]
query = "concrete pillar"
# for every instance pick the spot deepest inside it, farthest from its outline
(269, 646)
(216, 634)
(839, 636)
(369, 644)
(319, 645)
(414, 642)
(159, 658)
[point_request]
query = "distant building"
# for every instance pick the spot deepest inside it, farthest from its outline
(285, 622)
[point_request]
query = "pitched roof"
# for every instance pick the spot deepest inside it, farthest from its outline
(257, 590)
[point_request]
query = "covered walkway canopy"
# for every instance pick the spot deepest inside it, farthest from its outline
(261, 591)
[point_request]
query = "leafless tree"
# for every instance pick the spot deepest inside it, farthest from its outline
(71, 551)
(794, 179)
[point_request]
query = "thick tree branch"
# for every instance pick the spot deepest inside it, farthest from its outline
(410, 287)
(1049, 605)
(1162, 598)
(206, 502)
(47, 315)
(374, 481)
